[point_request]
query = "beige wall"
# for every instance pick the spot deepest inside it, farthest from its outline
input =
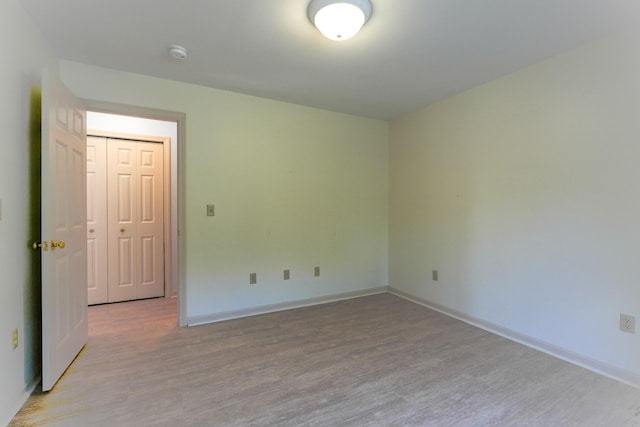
(523, 193)
(24, 55)
(294, 187)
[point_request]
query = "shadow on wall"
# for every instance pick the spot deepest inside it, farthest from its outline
(33, 288)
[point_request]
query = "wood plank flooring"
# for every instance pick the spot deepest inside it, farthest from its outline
(371, 361)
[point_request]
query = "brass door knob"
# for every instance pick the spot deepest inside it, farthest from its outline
(122, 230)
(55, 245)
(37, 245)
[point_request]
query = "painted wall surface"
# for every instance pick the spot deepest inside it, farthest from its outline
(523, 193)
(19, 216)
(293, 188)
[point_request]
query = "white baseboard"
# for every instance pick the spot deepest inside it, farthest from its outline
(253, 311)
(22, 398)
(598, 367)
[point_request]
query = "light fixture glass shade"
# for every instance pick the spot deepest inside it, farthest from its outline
(339, 20)
(178, 52)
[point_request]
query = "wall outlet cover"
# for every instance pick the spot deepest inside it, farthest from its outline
(627, 323)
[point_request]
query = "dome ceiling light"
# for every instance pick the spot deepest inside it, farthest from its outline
(178, 52)
(339, 20)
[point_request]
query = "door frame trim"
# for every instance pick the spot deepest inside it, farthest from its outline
(178, 225)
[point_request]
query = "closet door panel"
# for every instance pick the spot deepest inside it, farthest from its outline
(122, 229)
(97, 286)
(150, 223)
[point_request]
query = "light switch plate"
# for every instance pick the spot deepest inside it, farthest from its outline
(211, 210)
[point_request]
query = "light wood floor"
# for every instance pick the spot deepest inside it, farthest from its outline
(372, 361)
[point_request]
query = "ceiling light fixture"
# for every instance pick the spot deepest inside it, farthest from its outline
(339, 20)
(178, 52)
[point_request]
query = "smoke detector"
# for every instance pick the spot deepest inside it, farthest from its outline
(178, 52)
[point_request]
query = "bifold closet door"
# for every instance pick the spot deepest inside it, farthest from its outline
(97, 291)
(135, 220)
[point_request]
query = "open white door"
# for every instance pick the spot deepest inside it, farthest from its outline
(64, 246)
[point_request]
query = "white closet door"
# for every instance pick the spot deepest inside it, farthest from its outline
(136, 220)
(97, 291)
(150, 220)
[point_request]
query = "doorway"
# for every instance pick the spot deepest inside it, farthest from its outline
(129, 276)
(127, 217)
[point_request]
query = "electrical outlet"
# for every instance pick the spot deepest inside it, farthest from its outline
(627, 323)
(287, 275)
(211, 210)
(316, 271)
(434, 275)
(15, 338)
(253, 278)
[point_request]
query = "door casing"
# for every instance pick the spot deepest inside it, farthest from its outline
(177, 174)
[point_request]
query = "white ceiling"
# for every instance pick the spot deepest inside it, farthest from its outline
(410, 54)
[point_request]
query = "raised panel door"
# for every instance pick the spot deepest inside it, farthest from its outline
(121, 227)
(136, 223)
(150, 226)
(97, 290)
(64, 265)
